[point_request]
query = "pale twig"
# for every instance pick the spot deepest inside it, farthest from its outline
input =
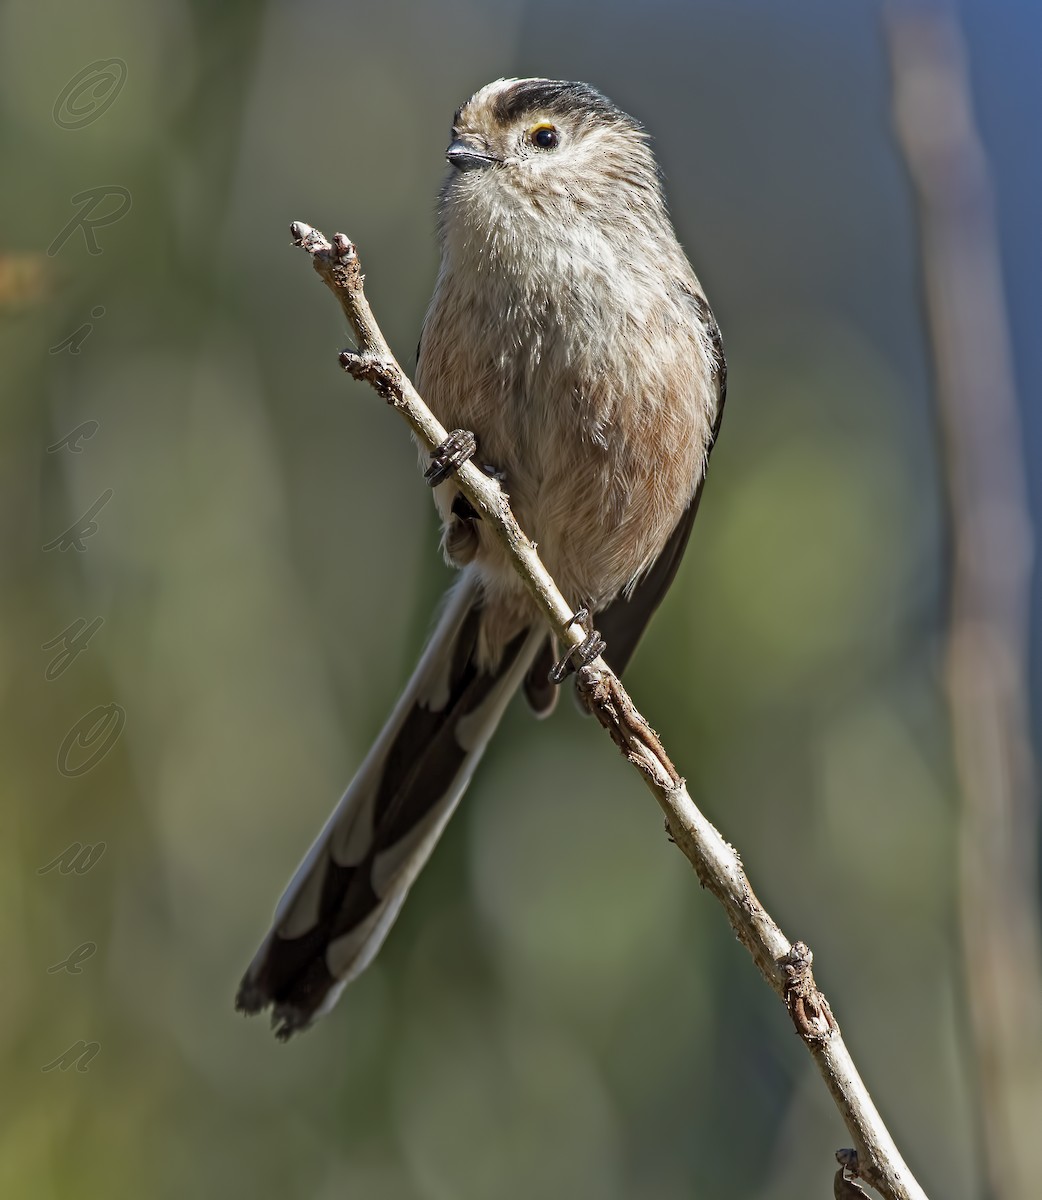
(785, 966)
(990, 599)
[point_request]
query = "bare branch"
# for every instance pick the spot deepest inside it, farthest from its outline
(785, 966)
(991, 538)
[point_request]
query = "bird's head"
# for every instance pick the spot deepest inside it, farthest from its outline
(547, 149)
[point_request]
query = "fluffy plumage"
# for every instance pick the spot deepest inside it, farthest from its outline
(569, 333)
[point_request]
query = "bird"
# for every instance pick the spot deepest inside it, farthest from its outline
(569, 334)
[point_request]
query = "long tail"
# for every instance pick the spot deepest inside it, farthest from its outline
(346, 893)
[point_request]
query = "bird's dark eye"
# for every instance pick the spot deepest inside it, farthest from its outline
(545, 136)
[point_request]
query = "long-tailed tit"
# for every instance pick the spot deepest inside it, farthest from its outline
(569, 333)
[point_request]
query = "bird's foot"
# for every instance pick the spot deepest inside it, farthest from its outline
(588, 650)
(457, 448)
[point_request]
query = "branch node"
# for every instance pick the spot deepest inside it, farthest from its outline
(602, 692)
(847, 1158)
(344, 249)
(382, 376)
(303, 235)
(808, 1008)
(844, 1188)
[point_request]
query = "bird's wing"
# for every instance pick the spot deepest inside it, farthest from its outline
(623, 622)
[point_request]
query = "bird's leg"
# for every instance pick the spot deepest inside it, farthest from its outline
(457, 448)
(590, 648)
(462, 507)
(460, 539)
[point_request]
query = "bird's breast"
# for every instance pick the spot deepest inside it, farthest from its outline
(592, 411)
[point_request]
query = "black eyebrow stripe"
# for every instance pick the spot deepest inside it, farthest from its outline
(556, 97)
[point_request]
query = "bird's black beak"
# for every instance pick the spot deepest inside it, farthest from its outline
(466, 157)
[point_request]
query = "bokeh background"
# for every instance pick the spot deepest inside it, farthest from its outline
(561, 1011)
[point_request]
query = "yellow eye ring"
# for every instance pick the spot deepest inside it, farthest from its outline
(544, 136)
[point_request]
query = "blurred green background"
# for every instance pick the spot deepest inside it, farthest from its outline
(561, 1011)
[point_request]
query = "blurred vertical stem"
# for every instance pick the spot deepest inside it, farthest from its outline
(990, 599)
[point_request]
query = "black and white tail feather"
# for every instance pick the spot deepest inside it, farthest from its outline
(346, 894)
